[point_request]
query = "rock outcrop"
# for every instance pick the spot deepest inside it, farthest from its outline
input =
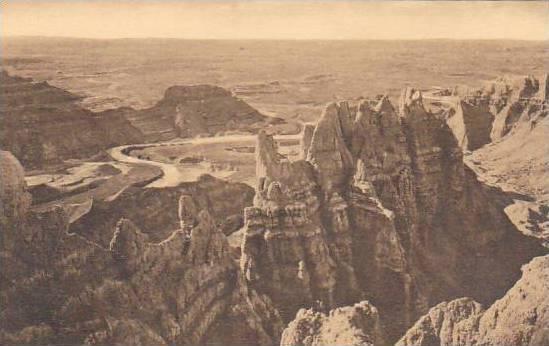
(487, 114)
(64, 288)
(383, 208)
(351, 326)
(517, 159)
(156, 210)
(43, 125)
(521, 317)
(187, 111)
(14, 198)
(471, 123)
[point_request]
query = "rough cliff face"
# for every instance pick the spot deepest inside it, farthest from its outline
(516, 160)
(489, 113)
(156, 210)
(187, 111)
(521, 317)
(67, 289)
(472, 123)
(382, 208)
(353, 325)
(43, 125)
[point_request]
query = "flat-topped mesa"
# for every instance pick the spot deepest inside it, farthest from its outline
(499, 106)
(328, 151)
(179, 93)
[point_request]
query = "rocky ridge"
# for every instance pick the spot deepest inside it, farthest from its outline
(43, 125)
(520, 317)
(487, 114)
(514, 158)
(383, 208)
(185, 289)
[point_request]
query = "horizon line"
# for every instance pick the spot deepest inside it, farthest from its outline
(267, 39)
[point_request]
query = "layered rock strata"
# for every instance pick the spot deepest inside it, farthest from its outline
(382, 208)
(520, 317)
(472, 123)
(67, 289)
(43, 125)
(489, 113)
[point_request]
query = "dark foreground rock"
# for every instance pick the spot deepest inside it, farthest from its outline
(61, 288)
(520, 317)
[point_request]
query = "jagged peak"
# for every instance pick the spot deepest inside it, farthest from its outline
(384, 105)
(365, 113)
(187, 212)
(328, 151)
(266, 156)
(306, 138)
(127, 242)
(205, 219)
(206, 226)
(410, 99)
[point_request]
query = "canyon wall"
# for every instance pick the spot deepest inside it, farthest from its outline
(65, 288)
(520, 317)
(487, 114)
(43, 125)
(155, 210)
(382, 208)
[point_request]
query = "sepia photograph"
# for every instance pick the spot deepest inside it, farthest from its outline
(274, 173)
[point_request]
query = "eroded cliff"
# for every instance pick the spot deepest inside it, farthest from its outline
(520, 317)
(64, 288)
(44, 125)
(382, 208)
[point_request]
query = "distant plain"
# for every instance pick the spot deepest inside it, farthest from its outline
(290, 79)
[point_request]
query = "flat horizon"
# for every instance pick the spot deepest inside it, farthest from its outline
(267, 39)
(279, 20)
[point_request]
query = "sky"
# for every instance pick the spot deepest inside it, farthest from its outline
(277, 19)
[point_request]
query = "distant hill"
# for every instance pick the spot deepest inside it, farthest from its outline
(43, 125)
(187, 111)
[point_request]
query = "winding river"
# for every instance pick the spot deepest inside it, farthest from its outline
(173, 175)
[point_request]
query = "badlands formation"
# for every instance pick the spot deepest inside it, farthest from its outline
(43, 125)
(380, 234)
